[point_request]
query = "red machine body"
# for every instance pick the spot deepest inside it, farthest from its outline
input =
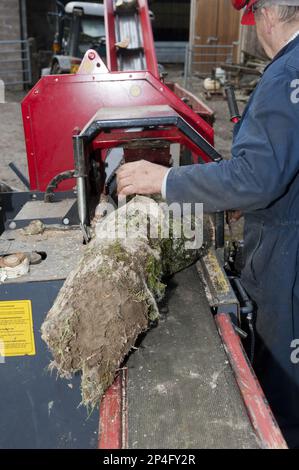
(147, 38)
(58, 107)
(63, 109)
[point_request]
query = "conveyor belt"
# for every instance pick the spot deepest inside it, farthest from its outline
(127, 27)
(181, 389)
(129, 37)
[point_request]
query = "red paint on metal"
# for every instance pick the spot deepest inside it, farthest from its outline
(58, 104)
(258, 409)
(160, 156)
(148, 39)
(193, 102)
(111, 52)
(172, 135)
(91, 55)
(113, 415)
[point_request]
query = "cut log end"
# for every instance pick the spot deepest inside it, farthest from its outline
(110, 299)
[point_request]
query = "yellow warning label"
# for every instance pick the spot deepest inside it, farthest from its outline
(16, 328)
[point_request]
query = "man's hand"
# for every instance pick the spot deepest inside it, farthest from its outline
(140, 177)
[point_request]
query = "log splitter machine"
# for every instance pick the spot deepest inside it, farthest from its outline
(190, 383)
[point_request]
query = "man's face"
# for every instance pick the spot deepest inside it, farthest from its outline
(260, 28)
(264, 30)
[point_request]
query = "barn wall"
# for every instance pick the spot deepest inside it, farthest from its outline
(9, 20)
(171, 20)
(37, 22)
(10, 30)
(214, 34)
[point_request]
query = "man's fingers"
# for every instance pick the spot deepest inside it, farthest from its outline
(125, 185)
(140, 177)
(123, 174)
(122, 182)
(126, 191)
(127, 168)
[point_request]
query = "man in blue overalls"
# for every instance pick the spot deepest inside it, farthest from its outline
(261, 180)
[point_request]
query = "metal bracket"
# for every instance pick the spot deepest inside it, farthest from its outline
(217, 286)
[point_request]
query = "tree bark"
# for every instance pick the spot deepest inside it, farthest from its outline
(111, 296)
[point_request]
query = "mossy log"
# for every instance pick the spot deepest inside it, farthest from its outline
(111, 296)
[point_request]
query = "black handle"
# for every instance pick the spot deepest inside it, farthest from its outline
(219, 230)
(232, 104)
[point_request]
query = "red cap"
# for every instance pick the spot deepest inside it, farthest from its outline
(239, 4)
(248, 15)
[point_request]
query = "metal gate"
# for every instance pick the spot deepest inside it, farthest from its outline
(15, 63)
(200, 59)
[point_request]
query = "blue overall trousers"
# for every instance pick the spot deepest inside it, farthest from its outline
(262, 180)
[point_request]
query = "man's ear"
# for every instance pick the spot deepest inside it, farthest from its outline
(269, 18)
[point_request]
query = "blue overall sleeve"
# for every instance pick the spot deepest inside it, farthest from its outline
(265, 157)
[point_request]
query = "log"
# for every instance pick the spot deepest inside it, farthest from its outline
(111, 297)
(125, 5)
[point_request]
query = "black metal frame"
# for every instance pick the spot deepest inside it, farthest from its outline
(81, 141)
(12, 203)
(150, 123)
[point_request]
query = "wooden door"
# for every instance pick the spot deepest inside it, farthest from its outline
(214, 24)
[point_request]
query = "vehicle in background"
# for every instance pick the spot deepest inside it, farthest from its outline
(79, 26)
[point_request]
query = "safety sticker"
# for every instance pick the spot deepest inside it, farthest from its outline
(16, 329)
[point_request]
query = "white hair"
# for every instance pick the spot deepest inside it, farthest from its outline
(288, 10)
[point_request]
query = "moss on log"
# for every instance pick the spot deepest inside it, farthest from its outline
(111, 296)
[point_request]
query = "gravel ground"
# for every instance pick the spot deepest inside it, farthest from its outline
(12, 145)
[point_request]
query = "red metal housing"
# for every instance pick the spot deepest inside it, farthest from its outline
(60, 106)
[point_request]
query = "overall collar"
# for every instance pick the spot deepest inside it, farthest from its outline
(291, 44)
